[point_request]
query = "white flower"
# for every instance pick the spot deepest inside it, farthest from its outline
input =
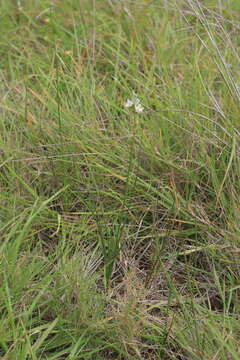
(139, 108)
(129, 103)
(136, 102)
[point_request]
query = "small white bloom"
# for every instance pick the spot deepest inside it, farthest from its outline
(139, 108)
(137, 104)
(128, 104)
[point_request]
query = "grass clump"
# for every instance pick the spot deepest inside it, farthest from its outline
(119, 225)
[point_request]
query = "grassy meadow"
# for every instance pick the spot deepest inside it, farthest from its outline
(120, 180)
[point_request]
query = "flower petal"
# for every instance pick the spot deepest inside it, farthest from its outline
(129, 103)
(139, 108)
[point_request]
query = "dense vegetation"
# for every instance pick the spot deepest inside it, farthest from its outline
(119, 224)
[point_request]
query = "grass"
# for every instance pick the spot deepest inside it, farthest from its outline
(119, 230)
